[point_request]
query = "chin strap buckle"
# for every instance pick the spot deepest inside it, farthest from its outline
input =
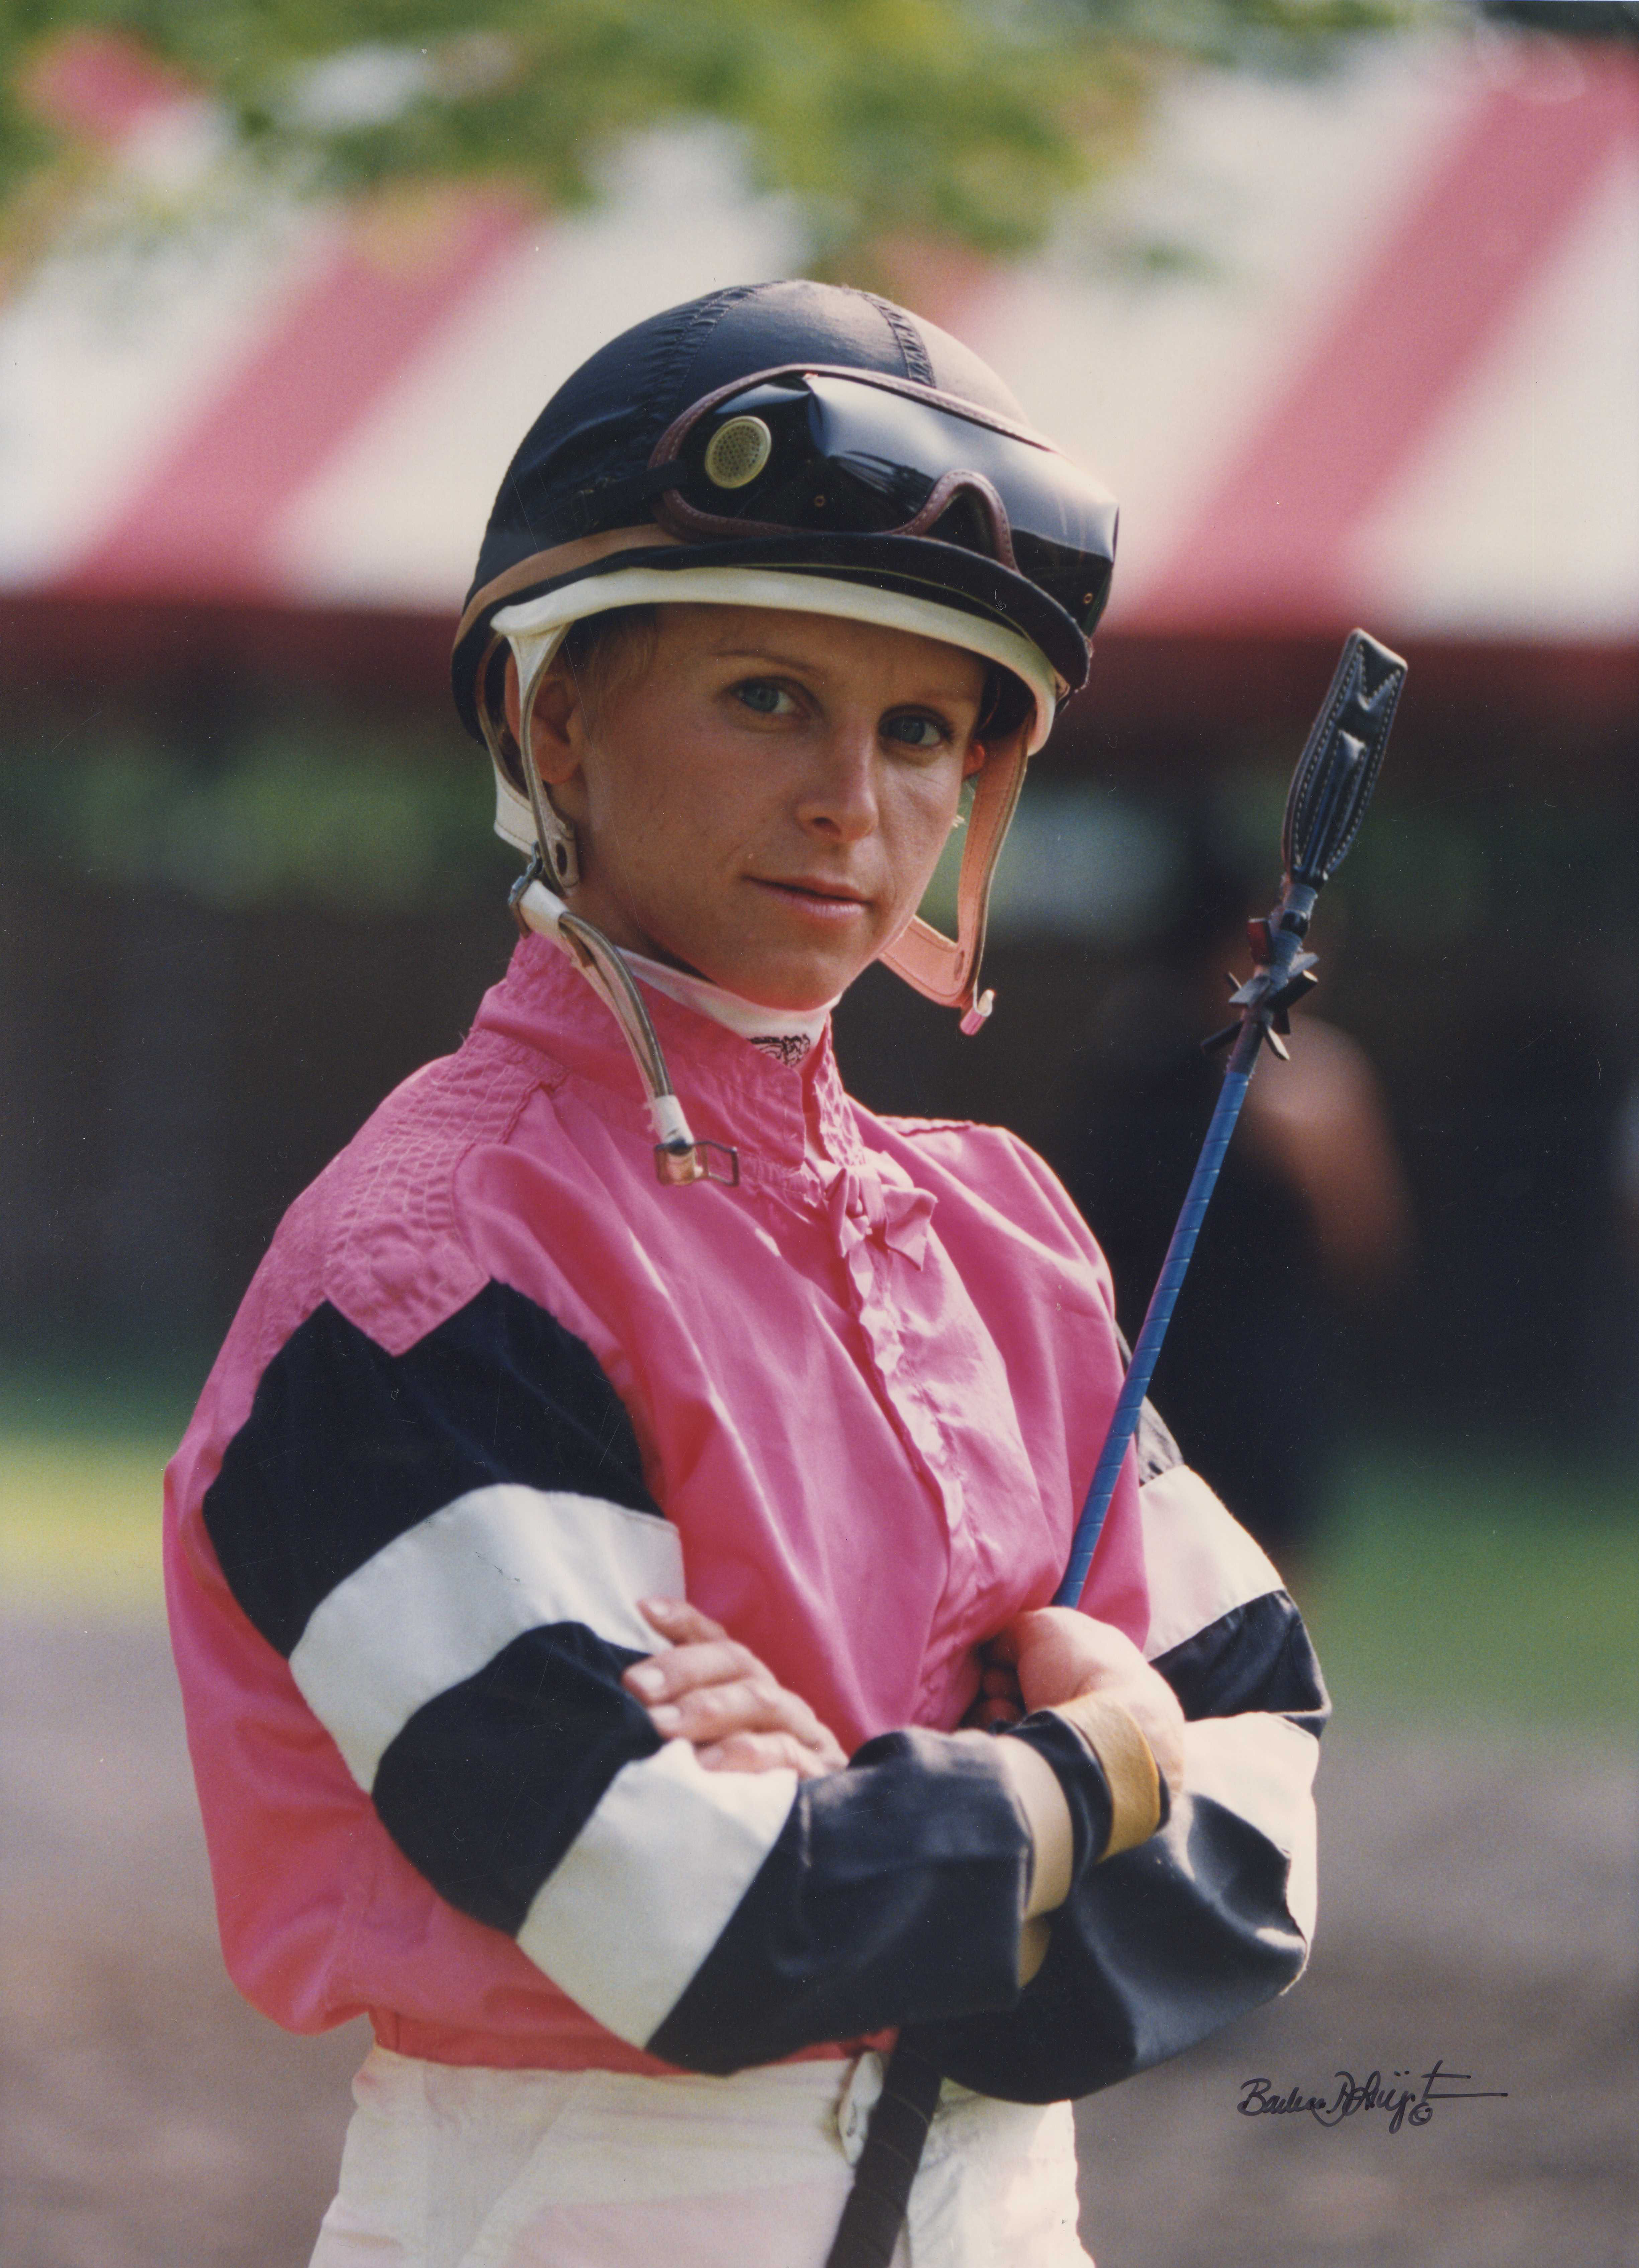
(678, 1158)
(677, 1163)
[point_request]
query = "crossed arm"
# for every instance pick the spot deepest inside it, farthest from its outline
(449, 1545)
(706, 1688)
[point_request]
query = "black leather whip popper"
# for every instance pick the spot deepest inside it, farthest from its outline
(1324, 807)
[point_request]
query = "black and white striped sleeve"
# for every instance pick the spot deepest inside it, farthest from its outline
(1164, 1943)
(447, 1545)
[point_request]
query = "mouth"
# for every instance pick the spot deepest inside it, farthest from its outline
(831, 900)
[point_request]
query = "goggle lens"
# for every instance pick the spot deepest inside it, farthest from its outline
(820, 452)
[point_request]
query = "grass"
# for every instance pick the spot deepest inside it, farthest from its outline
(79, 1523)
(1471, 1586)
(81, 1461)
(1477, 1585)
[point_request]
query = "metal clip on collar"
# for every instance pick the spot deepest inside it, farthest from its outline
(678, 1158)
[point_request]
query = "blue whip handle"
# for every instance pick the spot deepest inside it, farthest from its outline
(1237, 1078)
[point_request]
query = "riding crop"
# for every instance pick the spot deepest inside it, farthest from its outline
(1324, 807)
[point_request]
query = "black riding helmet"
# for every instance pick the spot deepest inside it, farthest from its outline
(799, 445)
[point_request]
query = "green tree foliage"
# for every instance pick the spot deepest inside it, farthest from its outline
(960, 121)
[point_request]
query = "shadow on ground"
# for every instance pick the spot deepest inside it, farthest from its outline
(1478, 1906)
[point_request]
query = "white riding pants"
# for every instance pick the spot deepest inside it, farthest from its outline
(448, 2167)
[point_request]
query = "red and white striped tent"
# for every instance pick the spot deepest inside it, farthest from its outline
(1392, 376)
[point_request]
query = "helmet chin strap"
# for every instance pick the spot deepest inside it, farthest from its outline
(678, 1158)
(946, 968)
(555, 837)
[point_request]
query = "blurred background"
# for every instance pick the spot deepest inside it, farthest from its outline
(1342, 299)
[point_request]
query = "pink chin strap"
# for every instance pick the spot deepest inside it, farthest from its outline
(946, 968)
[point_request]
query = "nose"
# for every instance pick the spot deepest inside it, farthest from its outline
(838, 798)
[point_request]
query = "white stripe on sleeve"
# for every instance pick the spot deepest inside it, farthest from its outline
(439, 1600)
(650, 1883)
(1200, 1561)
(1262, 1767)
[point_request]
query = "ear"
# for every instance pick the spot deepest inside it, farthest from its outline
(557, 722)
(980, 752)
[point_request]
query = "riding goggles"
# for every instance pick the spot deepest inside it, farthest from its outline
(822, 451)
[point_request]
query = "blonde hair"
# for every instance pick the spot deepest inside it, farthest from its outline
(605, 653)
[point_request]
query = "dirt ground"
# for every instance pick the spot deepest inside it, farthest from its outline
(1479, 1905)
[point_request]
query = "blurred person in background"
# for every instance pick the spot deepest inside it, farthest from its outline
(592, 1593)
(1309, 1226)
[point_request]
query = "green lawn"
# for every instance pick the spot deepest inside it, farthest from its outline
(1481, 1587)
(80, 1521)
(1471, 1587)
(81, 1461)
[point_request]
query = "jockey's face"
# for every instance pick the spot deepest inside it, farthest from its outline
(765, 802)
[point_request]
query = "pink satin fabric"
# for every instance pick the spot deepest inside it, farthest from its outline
(869, 1386)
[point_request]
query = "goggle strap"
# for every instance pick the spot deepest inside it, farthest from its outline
(946, 489)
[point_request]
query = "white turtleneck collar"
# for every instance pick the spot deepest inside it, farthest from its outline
(786, 1032)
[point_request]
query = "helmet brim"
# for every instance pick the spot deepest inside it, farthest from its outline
(917, 566)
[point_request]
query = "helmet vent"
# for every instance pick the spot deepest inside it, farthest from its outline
(737, 452)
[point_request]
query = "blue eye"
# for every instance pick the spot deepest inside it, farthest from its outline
(918, 732)
(762, 696)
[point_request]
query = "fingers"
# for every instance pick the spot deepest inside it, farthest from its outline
(998, 1701)
(676, 1620)
(712, 1712)
(712, 1661)
(1005, 1646)
(760, 1752)
(1056, 1654)
(747, 1727)
(710, 1690)
(704, 1692)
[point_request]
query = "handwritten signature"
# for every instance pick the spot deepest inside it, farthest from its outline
(1407, 2106)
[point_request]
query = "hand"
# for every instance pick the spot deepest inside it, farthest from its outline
(998, 1701)
(1050, 1654)
(709, 1689)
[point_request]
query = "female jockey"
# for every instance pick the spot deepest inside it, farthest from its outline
(607, 1565)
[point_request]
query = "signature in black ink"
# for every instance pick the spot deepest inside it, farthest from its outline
(1407, 2106)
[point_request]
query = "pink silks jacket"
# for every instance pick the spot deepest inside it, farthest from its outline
(493, 1384)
